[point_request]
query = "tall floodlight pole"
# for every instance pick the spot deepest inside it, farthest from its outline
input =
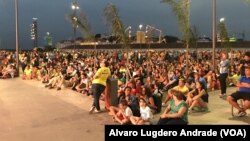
(214, 32)
(74, 7)
(17, 37)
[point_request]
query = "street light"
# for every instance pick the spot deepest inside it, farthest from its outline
(74, 7)
(214, 32)
(17, 37)
(222, 20)
(128, 29)
(140, 26)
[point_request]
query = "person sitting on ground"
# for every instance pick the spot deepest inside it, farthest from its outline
(148, 97)
(57, 77)
(50, 74)
(145, 112)
(27, 73)
(176, 112)
(243, 93)
(181, 87)
(72, 82)
(234, 78)
(41, 73)
(131, 100)
(83, 86)
(1, 71)
(123, 114)
(215, 81)
(9, 72)
(197, 98)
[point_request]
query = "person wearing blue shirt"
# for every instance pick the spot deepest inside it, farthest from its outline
(242, 93)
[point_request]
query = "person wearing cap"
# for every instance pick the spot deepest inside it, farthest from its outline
(244, 62)
(243, 93)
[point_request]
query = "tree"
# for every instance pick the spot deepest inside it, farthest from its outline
(82, 24)
(181, 9)
(194, 33)
(224, 35)
(113, 21)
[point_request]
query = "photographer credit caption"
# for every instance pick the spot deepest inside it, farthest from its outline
(183, 132)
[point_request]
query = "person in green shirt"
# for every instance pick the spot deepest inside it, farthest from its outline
(176, 112)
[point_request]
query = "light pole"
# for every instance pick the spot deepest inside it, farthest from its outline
(17, 37)
(34, 32)
(222, 38)
(214, 32)
(74, 7)
(140, 34)
(128, 29)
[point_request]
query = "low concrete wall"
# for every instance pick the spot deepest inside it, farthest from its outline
(159, 46)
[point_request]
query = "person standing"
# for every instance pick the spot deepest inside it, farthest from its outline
(223, 68)
(98, 85)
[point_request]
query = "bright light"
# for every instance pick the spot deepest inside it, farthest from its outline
(222, 20)
(75, 6)
(140, 26)
(74, 18)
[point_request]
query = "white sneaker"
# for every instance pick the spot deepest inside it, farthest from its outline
(241, 114)
(97, 111)
(91, 110)
(222, 95)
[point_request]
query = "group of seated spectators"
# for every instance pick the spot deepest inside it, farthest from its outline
(147, 80)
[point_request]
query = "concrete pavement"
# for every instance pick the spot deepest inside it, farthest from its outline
(31, 112)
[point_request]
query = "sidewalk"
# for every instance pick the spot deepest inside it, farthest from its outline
(219, 111)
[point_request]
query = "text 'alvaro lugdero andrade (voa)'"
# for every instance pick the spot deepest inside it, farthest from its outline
(183, 132)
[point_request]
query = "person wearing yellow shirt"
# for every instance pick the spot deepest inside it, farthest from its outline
(27, 73)
(181, 87)
(99, 85)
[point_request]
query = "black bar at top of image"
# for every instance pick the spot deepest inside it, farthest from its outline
(194, 132)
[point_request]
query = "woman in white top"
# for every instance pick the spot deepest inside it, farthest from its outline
(145, 112)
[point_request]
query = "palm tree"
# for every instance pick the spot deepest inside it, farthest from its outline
(181, 9)
(113, 21)
(82, 24)
(194, 33)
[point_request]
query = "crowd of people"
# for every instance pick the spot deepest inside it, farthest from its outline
(147, 80)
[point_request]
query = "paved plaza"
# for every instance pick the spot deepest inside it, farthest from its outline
(30, 112)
